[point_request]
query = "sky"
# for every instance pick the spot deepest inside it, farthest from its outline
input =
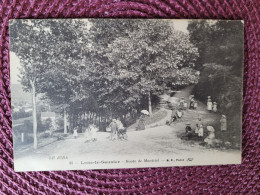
(14, 68)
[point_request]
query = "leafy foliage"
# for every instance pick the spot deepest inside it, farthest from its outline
(102, 68)
(220, 45)
(140, 57)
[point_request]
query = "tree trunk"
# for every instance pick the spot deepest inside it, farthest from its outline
(99, 120)
(34, 115)
(150, 104)
(65, 122)
(212, 89)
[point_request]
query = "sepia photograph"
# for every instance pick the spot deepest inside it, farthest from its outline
(125, 93)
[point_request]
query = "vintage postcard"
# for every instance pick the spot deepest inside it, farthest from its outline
(125, 93)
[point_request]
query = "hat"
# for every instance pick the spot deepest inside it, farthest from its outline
(210, 128)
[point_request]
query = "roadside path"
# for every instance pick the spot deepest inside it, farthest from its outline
(156, 138)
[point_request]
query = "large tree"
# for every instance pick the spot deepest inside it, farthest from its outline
(144, 56)
(64, 66)
(103, 68)
(220, 45)
(218, 42)
(29, 41)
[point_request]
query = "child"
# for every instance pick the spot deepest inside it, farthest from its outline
(215, 107)
(201, 131)
(223, 123)
(75, 133)
(209, 105)
(199, 123)
(113, 126)
(192, 103)
(94, 130)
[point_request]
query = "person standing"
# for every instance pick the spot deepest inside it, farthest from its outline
(120, 127)
(215, 109)
(198, 125)
(201, 131)
(209, 105)
(114, 128)
(75, 132)
(223, 123)
(141, 123)
(88, 134)
(94, 130)
(192, 101)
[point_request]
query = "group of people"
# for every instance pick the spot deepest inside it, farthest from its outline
(211, 106)
(117, 130)
(193, 104)
(198, 131)
(183, 105)
(90, 133)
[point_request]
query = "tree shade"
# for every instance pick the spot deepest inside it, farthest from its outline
(98, 69)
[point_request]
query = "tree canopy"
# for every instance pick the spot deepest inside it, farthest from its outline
(220, 45)
(102, 67)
